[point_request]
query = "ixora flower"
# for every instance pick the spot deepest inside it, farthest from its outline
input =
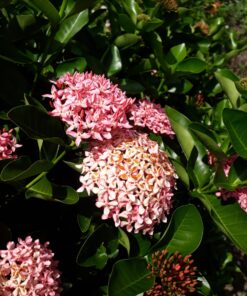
(152, 116)
(239, 194)
(174, 274)
(133, 179)
(90, 105)
(8, 144)
(28, 269)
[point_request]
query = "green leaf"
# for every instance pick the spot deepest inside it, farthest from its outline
(131, 86)
(124, 240)
(23, 168)
(47, 9)
(184, 232)
(72, 65)
(230, 218)
(103, 234)
(25, 20)
(46, 190)
(126, 40)
(191, 65)
(84, 222)
(152, 24)
(126, 22)
(176, 54)
(99, 259)
(191, 146)
(129, 277)
(37, 124)
(207, 137)
(235, 122)
(227, 84)
(115, 63)
(70, 26)
(181, 172)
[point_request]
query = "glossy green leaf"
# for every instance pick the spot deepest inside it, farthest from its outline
(204, 287)
(124, 240)
(37, 124)
(131, 86)
(207, 137)
(23, 168)
(152, 24)
(115, 63)
(47, 8)
(103, 234)
(84, 222)
(46, 190)
(191, 146)
(228, 86)
(129, 277)
(181, 172)
(191, 65)
(131, 8)
(70, 26)
(72, 65)
(98, 260)
(235, 122)
(126, 40)
(25, 20)
(126, 22)
(184, 232)
(176, 54)
(230, 218)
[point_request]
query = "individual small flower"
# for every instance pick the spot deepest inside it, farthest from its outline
(28, 269)
(239, 194)
(90, 105)
(169, 5)
(8, 144)
(175, 274)
(133, 179)
(152, 116)
(227, 163)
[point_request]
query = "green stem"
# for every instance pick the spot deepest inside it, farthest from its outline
(62, 8)
(35, 180)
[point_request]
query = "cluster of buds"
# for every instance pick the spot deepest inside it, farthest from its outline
(174, 274)
(131, 176)
(27, 269)
(8, 144)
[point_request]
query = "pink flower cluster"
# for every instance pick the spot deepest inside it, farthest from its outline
(90, 105)
(93, 108)
(8, 144)
(239, 194)
(28, 269)
(133, 179)
(152, 116)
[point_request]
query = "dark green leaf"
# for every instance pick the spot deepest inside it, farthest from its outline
(23, 168)
(47, 9)
(235, 122)
(176, 54)
(124, 240)
(227, 84)
(46, 190)
(129, 277)
(230, 218)
(191, 65)
(84, 222)
(102, 235)
(208, 139)
(126, 22)
(37, 124)
(152, 24)
(131, 86)
(115, 63)
(72, 65)
(184, 232)
(181, 172)
(126, 40)
(70, 26)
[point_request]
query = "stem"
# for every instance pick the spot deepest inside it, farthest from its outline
(55, 161)
(63, 6)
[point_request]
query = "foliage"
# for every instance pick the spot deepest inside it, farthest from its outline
(176, 57)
